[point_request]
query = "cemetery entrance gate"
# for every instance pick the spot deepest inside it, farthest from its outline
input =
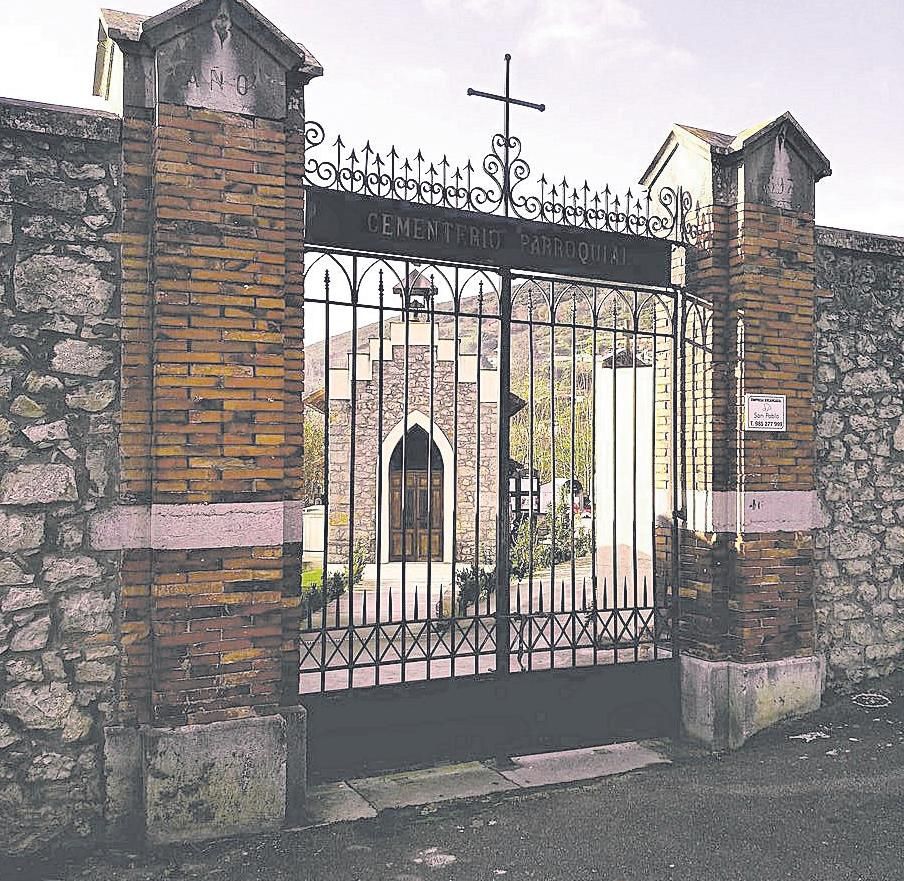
(465, 339)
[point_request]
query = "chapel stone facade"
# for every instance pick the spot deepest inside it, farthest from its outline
(413, 386)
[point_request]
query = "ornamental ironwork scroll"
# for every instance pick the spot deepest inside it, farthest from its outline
(492, 187)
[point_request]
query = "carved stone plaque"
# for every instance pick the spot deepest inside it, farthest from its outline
(777, 175)
(219, 66)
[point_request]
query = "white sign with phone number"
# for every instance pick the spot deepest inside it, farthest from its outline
(764, 412)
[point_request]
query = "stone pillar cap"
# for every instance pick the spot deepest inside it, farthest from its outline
(129, 27)
(218, 55)
(726, 149)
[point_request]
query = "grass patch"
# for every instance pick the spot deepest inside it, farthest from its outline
(311, 577)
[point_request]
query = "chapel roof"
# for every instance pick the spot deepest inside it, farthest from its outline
(724, 147)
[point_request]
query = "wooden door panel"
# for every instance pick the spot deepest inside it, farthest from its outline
(416, 525)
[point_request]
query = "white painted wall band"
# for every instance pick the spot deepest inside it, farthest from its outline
(196, 526)
(743, 512)
(263, 524)
(769, 511)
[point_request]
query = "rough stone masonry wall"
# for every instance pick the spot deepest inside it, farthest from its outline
(59, 420)
(860, 453)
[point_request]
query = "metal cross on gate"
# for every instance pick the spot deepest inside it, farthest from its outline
(507, 100)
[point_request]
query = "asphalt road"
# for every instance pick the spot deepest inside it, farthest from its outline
(829, 807)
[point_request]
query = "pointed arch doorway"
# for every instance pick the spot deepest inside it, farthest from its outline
(416, 503)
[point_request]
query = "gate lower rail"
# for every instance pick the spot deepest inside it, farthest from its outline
(566, 630)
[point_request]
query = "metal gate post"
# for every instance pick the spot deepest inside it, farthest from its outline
(679, 483)
(503, 518)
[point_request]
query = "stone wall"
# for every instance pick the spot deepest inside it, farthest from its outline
(59, 421)
(860, 452)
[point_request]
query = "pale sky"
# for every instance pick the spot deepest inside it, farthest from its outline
(614, 75)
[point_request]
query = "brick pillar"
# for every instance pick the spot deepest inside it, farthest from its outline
(746, 546)
(212, 98)
(136, 382)
(219, 441)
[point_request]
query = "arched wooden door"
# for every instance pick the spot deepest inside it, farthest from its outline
(416, 499)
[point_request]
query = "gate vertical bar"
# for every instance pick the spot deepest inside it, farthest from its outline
(595, 491)
(431, 317)
(503, 522)
(456, 332)
(326, 476)
(378, 556)
(678, 443)
(656, 574)
(352, 450)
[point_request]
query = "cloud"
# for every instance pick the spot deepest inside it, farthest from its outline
(579, 23)
(614, 30)
(481, 8)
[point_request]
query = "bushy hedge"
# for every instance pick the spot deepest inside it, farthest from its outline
(313, 591)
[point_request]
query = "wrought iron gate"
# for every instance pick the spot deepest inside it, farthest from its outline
(437, 374)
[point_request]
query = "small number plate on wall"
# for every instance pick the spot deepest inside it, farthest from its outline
(764, 412)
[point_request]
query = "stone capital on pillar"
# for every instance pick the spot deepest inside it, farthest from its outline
(213, 54)
(775, 164)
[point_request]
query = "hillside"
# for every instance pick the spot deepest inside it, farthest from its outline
(340, 344)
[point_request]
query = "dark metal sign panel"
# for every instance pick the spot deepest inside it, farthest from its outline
(386, 226)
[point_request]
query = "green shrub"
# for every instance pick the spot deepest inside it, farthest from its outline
(474, 583)
(536, 545)
(313, 591)
(528, 553)
(583, 542)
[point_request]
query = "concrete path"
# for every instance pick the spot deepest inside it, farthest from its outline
(562, 590)
(410, 627)
(367, 796)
